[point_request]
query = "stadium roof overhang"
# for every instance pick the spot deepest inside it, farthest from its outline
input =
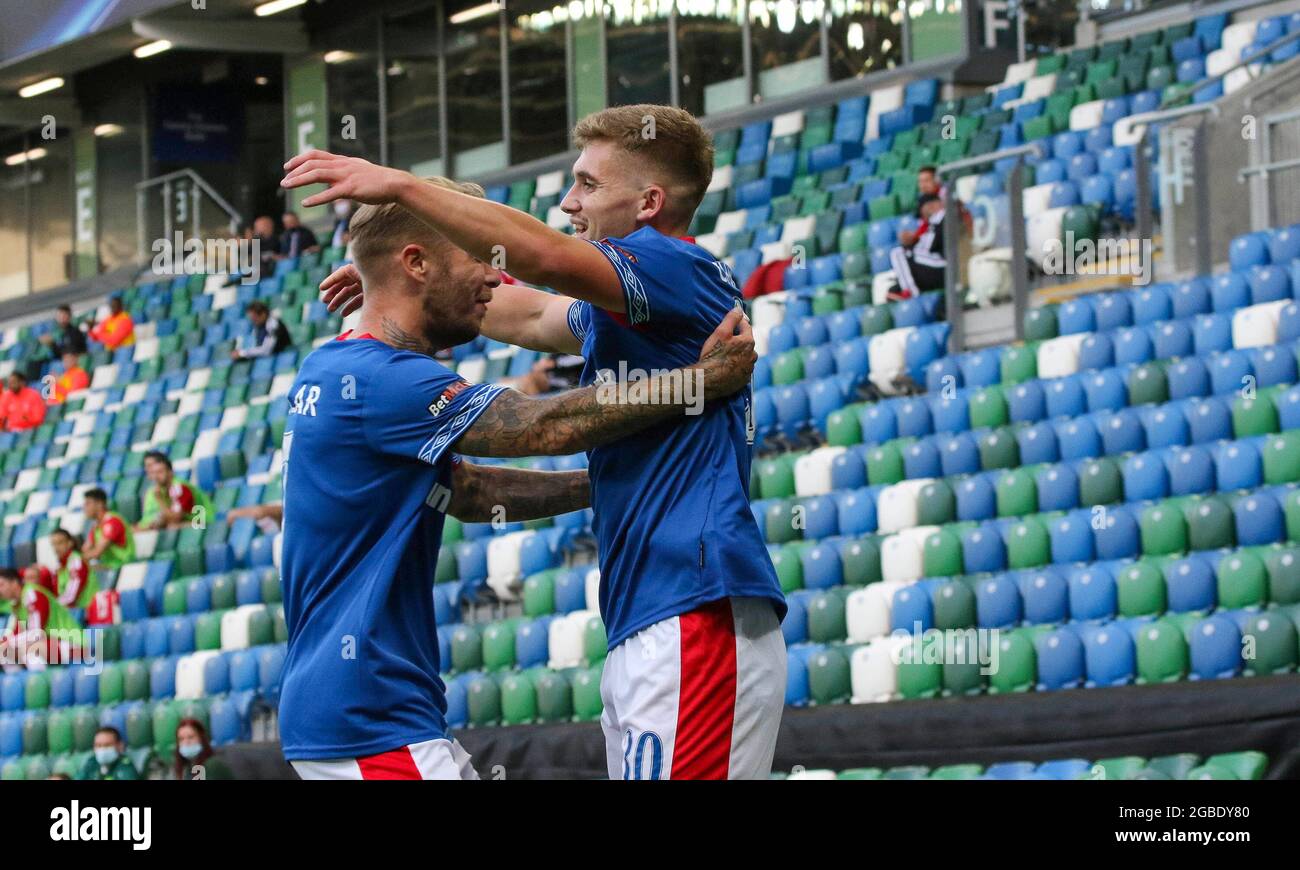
(222, 25)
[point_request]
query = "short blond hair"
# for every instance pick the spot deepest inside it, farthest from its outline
(671, 140)
(378, 230)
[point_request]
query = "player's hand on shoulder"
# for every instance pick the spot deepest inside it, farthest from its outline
(728, 356)
(343, 177)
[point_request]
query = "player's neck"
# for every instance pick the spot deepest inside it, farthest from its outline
(394, 328)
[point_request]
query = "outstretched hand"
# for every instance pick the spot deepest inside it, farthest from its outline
(343, 177)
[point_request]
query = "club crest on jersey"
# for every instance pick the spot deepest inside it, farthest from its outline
(440, 404)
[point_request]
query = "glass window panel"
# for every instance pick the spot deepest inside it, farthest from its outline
(865, 36)
(710, 55)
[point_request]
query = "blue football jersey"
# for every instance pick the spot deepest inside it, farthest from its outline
(367, 481)
(671, 503)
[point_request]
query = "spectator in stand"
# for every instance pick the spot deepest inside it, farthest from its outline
(920, 266)
(40, 629)
(65, 337)
(109, 544)
(21, 407)
(296, 238)
(195, 757)
(73, 380)
(77, 585)
(343, 210)
(171, 503)
(117, 330)
(41, 576)
(268, 242)
(110, 760)
(268, 337)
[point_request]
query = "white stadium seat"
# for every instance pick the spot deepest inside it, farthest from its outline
(591, 590)
(235, 633)
(882, 100)
(549, 184)
(812, 471)
(721, 179)
(1256, 326)
(1060, 356)
(730, 222)
(715, 243)
(564, 639)
(145, 544)
(104, 377)
(787, 124)
(131, 575)
(1087, 115)
(197, 380)
(503, 558)
(896, 506)
(1019, 72)
(189, 674)
(873, 670)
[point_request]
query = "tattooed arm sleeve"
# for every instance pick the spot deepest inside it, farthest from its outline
(482, 492)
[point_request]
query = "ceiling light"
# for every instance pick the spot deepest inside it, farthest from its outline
(42, 87)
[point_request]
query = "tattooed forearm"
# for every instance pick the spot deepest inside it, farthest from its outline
(483, 493)
(516, 425)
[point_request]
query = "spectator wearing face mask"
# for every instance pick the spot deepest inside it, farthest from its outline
(195, 757)
(110, 760)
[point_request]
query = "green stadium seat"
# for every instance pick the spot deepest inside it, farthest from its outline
(1281, 457)
(554, 697)
(954, 606)
(1162, 654)
(1271, 637)
(587, 705)
(1100, 482)
(885, 464)
(1164, 530)
(1017, 494)
(936, 504)
(1017, 664)
(1242, 765)
(999, 449)
(942, 556)
(828, 677)
(1283, 576)
(1029, 544)
(1210, 524)
(499, 646)
(518, 699)
(1242, 581)
(826, 620)
(484, 701)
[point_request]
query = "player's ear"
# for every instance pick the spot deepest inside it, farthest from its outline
(414, 260)
(653, 200)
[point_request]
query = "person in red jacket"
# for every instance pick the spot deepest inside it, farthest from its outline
(73, 380)
(21, 407)
(117, 330)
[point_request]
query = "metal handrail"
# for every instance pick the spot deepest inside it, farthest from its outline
(991, 157)
(197, 179)
(1265, 168)
(165, 182)
(1163, 115)
(1246, 61)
